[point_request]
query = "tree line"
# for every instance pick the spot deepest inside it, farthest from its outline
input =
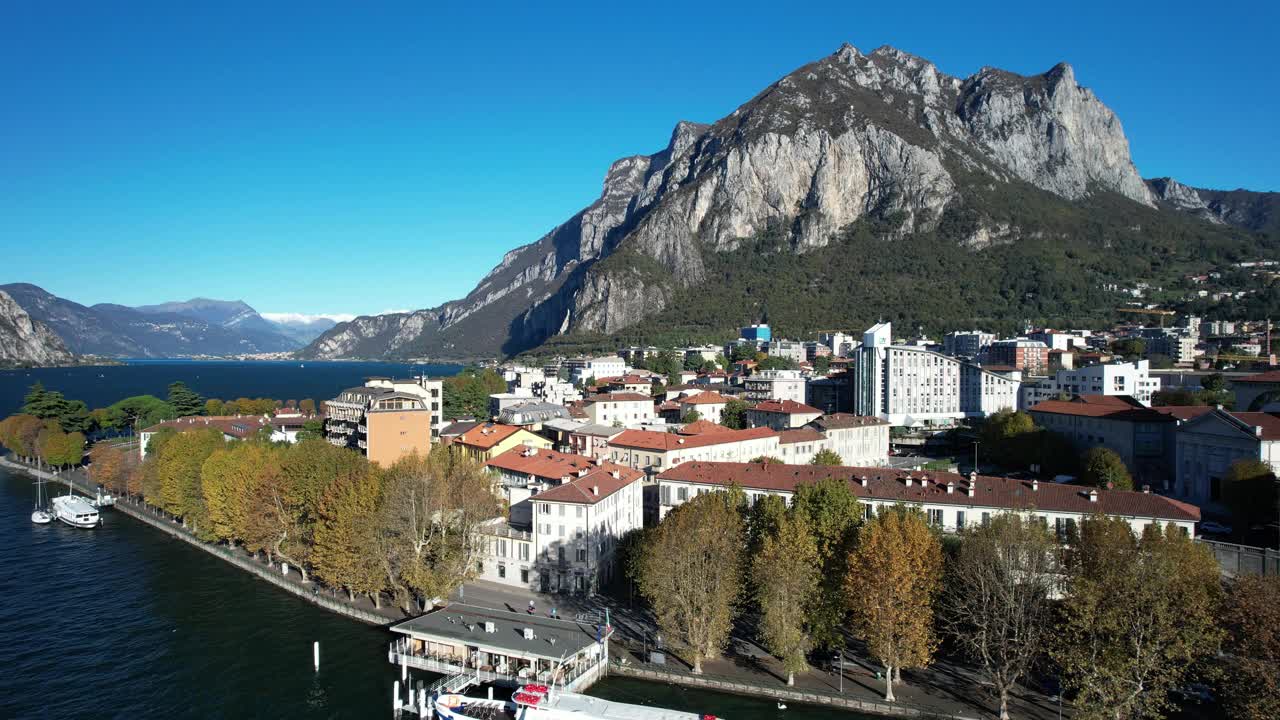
(1122, 619)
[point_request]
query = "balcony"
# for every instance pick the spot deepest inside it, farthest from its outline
(362, 444)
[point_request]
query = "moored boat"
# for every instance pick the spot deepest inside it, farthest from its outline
(538, 702)
(40, 514)
(75, 511)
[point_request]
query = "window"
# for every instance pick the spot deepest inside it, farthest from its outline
(959, 519)
(480, 566)
(524, 551)
(524, 575)
(577, 511)
(582, 554)
(665, 494)
(502, 570)
(560, 553)
(986, 519)
(935, 517)
(544, 508)
(682, 494)
(561, 531)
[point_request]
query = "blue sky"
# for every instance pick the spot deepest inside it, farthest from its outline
(362, 157)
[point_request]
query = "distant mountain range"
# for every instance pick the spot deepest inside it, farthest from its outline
(859, 187)
(173, 329)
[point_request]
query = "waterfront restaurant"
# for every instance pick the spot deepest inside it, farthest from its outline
(502, 647)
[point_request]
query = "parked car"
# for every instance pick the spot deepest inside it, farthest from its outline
(1210, 527)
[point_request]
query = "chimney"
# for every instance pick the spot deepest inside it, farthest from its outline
(973, 485)
(595, 490)
(951, 487)
(863, 480)
(908, 479)
(617, 475)
(973, 477)
(1093, 496)
(1146, 489)
(680, 440)
(1035, 485)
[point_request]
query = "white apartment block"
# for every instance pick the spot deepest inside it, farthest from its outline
(984, 393)
(1118, 378)
(841, 344)
(775, 385)
(966, 343)
(605, 366)
(620, 408)
(431, 392)
(789, 349)
(859, 440)
(950, 501)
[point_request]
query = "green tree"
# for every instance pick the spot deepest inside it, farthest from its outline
(822, 364)
(1103, 466)
(1250, 490)
(690, 416)
(184, 400)
(827, 456)
(1213, 382)
(179, 463)
(214, 407)
(311, 429)
(345, 552)
(77, 418)
(43, 403)
(1138, 617)
(832, 513)
(895, 573)
(784, 575)
(1009, 437)
(691, 573)
(1251, 651)
(141, 412)
(734, 414)
(692, 362)
(467, 393)
(307, 406)
(1129, 347)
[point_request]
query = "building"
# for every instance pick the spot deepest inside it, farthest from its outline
(431, 392)
(859, 440)
(499, 402)
(382, 423)
(1257, 392)
(1143, 437)
(1116, 378)
(775, 385)
(621, 408)
(831, 394)
(567, 513)
(966, 343)
(1207, 447)
(654, 451)
(629, 383)
(950, 501)
(709, 405)
(986, 391)
(842, 344)
(1029, 356)
(489, 440)
(233, 427)
(758, 334)
(532, 415)
(787, 349)
(781, 414)
(1168, 342)
(1058, 340)
(595, 367)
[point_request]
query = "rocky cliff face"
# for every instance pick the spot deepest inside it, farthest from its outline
(1255, 211)
(24, 341)
(851, 137)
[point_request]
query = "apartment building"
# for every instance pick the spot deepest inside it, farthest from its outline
(966, 343)
(1115, 378)
(431, 392)
(950, 501)
(775, 385)
(859, 440)
(489, 440)
(781, 414)
(709, 405)
(1025, 354)
(788, 349)
(622, 408)
(381, 423)
(653, 451)
(842, 344)
(588, 367)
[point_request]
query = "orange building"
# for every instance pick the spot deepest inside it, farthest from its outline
(382, 424)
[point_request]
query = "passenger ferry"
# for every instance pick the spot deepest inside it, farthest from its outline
(75, 511)
(538, 702)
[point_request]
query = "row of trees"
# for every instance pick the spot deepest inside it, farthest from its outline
(44, 441)
(1122, 619)
(408, 530)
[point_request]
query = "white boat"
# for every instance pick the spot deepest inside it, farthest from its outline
(538, 702)
(40, 514)
(75, 511)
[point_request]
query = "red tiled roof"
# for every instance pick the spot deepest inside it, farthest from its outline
(886, 484)
(487, 435)
(786, 407)
(624, 380)
(551, 465)
(805, 434)
(1271, 376)
(704, 398)
(591, 488)
(1269, 422)
(1183, 412)
(662, 441)
(668, 405)
(699, 427)
(619, 397)
(238, 426)
(1112, 400)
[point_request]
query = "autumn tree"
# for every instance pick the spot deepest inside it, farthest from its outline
(1251, 619)
(21, 434)
(229, 480)
(307, 406)
(784, 575)
(763, 519)
(832, 513)
(111, 466)
(1103, 468)
(894, 575)
(998, 599)
(178, 467)
(345, 552)
(214, 407)
(1139, 614)
(827, 456)
(307, 469)
(691, 573)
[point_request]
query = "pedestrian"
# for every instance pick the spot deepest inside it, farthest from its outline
(530, 607)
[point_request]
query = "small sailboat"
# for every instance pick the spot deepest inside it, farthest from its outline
(40, 514)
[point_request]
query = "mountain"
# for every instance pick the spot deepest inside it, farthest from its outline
(24, 341)
(301, 328)
(1255, 211)
(235, 316)
(120, 331)
(858, 187)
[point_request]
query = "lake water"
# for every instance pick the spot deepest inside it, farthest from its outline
(101, 386)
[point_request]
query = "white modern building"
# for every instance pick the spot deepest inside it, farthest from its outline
(604, 366)
(1116, 378)
(842, 344)
(859, 440)
(621, 408)
(775, 385)
(966, 343)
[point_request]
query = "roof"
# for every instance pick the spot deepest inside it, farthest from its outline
(1269, 422)
(626, 380)
(597, 430)
(804, 434)
(786, 407)
(593, 487)
(457, 427)
(552, 638)
(836, 421)
(886, 484)
(487, 435)
(662, 441)
(699, 427)
(1272, 376)
(619, 397)
(238, 426)
(1184, 412)
(703, 398)
(547, 464)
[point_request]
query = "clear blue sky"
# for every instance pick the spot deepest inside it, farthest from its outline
(319, 158)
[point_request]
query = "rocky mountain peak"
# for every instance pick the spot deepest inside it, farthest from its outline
(24, 341)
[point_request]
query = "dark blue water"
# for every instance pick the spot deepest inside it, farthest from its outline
(227, 380)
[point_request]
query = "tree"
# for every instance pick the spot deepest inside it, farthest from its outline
(690, 416)
(832, 513)
(1213, 382)
(894, 574)
(1103, 467)
(311, 429)
(1129, 347)
(229, 480)
(307, 469)
(734, 414)
(827, 456)
(821, 364)
(1251, 619)
(998, 599)
(1249, 489)
(345, 552)
(1008, 437)
(467, 393)
(111, 466)
(184, 400)
(140, 411)
(76, 417)
(692, 362)
(178, 465)
(691, 573)
(1139, 614)
(784, 574)
(763, 520)
(307, 406)
(214, 407)
(42, 403)
(21, 433)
